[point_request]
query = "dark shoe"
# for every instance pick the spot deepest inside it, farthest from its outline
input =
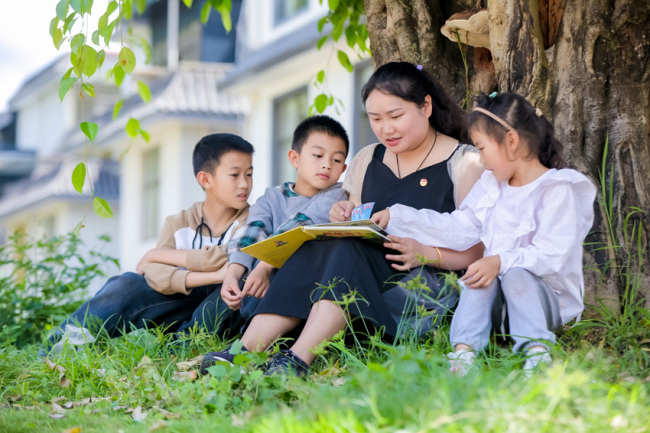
(212, 358)
(287, 363)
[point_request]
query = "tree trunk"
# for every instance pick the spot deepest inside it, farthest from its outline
(586, 65)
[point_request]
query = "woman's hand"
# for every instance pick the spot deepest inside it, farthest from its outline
(482, 272)
(341, 211)
(410, 250)
(381, 218)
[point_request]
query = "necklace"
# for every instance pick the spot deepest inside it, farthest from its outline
(399, 174)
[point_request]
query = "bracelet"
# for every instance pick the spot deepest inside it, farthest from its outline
(439, 255)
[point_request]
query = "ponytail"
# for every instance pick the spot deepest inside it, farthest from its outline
(535, 129)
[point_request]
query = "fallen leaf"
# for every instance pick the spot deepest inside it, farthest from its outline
(138, 414)
(14, 398)
(158, 425)
(185, 376)
(58, 399)
(144, 361)
(57, 412)
(52, 366)
(72, 430)
(240, 421)
(65, 382)
(167, 413)
(339, 381)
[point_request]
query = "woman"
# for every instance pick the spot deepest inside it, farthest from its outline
(419, 163)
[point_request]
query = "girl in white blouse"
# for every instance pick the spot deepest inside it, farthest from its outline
(532, 215)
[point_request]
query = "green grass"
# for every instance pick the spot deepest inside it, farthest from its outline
(591, 387)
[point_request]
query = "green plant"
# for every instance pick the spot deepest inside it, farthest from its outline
(43, 281)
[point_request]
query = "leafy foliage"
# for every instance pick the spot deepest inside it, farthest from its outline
(43, 281)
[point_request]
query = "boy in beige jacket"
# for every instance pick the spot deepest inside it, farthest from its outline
(177, 284)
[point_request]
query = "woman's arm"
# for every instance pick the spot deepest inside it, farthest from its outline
(411, 254)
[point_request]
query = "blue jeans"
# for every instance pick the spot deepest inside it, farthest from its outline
(126, 302)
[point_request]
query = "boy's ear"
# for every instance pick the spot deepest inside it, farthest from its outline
(294, 158)
(204, 179)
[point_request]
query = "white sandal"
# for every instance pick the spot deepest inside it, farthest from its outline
(461, 362)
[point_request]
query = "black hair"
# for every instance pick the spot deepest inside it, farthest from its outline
(319, 123)
(530, 124)
(406, 81)
(209, 150)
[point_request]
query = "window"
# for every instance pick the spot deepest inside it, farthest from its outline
(285, 9)
(150, 193)
(288, 111)
(363, 134)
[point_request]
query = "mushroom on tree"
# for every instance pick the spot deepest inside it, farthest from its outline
(473, 29)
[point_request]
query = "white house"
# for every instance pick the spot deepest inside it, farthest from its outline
(143, 182)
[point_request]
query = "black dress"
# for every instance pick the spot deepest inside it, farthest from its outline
(335, 269)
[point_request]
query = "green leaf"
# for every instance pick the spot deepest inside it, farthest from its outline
(112, 7)
(351, 36)
(69, 22)
(77, 42)
(320, 102)
(65, 85)
(188, 3)
(62, 9)
(108, 31)
(344, 60)
(144, 135)
(77, 6)
(337, 31)
(225, 16)
(140, 5)
(54, 24)
(127, 10)
(88, 88)
(127, 60)
(95, 37)
(118, 74)
(321, 42)
(146, 49)
(79, 177)
(132, 127)
(205, 12)
(101, 55)
(89, 60)
(89, 129)
(117, 108)
(57, 38)
(320, 76)
(333, 4)
(321, 23)
(67, 74)
(102, 208)
(143, 91)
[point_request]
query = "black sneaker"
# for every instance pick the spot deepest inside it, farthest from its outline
(212, 358)
(287, 363)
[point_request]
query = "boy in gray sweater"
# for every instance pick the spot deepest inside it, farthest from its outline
(318, 151)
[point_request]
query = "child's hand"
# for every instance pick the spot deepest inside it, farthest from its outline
(230, 292)
(144, 261)
(482, 272)
(257, 281)
(341, 211)
(381, 218)
(410, 250)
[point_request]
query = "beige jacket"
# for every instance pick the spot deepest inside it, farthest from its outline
(205, 253)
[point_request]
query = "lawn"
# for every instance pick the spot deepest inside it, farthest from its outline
(599, 381)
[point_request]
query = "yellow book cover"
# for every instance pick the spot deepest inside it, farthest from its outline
(277, 249)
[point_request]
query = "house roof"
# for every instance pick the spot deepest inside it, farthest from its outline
(50, 181)
(190, 92)
(254, 62)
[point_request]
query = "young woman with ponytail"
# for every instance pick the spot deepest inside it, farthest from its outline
(532, 215)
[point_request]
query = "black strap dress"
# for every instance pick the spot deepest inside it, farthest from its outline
(335, 269)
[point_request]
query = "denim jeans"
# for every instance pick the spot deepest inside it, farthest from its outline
(126, 302)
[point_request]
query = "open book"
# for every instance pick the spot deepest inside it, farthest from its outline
(277, 249)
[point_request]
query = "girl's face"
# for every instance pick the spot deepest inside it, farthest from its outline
(400, 125)
(494, 155)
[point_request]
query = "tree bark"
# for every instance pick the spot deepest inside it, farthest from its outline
(592, 82)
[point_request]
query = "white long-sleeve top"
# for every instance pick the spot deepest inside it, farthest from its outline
(539, 227)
